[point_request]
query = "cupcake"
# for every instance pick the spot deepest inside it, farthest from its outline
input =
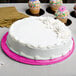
(55, 4)
(62, 14)
(34, 6)
(75, 9)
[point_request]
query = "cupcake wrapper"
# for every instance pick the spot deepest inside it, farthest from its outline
(35, 11)
(35, 8)
(63, 20)
(62, 17)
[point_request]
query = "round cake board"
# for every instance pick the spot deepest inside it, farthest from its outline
(25, 60)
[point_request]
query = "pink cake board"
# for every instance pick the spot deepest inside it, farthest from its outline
(25, 60)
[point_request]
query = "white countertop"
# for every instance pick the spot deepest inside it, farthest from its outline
(13, 68)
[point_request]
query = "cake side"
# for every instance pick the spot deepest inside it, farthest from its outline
(37, 53)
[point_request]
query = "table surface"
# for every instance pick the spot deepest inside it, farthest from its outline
(9, 67)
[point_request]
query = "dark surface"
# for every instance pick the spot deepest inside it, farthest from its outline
(69, 22)
(73, 14)
(48, 9)
(24, 1)
(4, 1)
(41, 12)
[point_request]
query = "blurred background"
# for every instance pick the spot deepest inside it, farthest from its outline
(25, 1)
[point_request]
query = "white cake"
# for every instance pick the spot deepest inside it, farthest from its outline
(39, 38)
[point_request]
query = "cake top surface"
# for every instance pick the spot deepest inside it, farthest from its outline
(40, 32)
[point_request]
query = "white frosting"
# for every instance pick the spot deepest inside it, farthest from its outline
(39, 38)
